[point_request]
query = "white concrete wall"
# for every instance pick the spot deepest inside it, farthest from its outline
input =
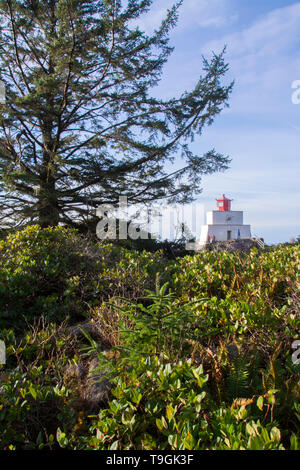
(226, 217)
(220, 232)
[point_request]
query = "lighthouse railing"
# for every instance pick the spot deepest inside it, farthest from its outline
(259, 241)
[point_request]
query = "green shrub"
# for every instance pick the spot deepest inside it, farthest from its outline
(203, 362)
(41, 273)
(55, 272)
(161, 399)
(34, 400)
(156, 405)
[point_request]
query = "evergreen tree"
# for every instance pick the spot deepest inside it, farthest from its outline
(79, 127)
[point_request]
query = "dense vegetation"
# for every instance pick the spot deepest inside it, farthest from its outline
(196, 352)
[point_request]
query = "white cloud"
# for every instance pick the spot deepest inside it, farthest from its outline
(193, 13)
(267, 37)
(264, 60)
(203, 13)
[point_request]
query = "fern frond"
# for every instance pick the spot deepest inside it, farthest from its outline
(237, 383)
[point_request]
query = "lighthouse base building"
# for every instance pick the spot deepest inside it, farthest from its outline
(224, 224)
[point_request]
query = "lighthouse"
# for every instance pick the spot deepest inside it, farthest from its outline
(224, 224)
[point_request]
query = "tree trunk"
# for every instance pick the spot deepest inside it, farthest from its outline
(48, 204)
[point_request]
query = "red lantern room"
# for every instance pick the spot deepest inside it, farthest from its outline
(224, 204)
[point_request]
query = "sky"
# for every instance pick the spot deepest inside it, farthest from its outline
(260, 131)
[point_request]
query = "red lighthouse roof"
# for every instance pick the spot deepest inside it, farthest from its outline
(224, 203)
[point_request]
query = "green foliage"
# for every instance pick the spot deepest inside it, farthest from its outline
(245, 291)
(238, 432)
(160, 405)
(238, 379)
(131, 274)
(155, 405)
(164, 325)
(56, 273)
(82, 74)
(201, 355)
(34, 398)
(43, 272)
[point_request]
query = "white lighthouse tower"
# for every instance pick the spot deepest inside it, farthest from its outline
(224, 224)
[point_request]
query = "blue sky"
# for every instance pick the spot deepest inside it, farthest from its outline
(261, 129)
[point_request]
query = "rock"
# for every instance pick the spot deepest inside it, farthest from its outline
(86, 379)
(242, 245)
(97, 386)
(233, 351)
(89, 383)
(92, 329)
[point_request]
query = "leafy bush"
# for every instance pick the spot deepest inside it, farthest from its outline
(161, 402)
(34, 397)
(43, 272)
(56, 273)
(203, 362)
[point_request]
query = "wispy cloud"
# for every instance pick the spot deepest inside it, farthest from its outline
(193, 13)
(266, 37)
(264, 59)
